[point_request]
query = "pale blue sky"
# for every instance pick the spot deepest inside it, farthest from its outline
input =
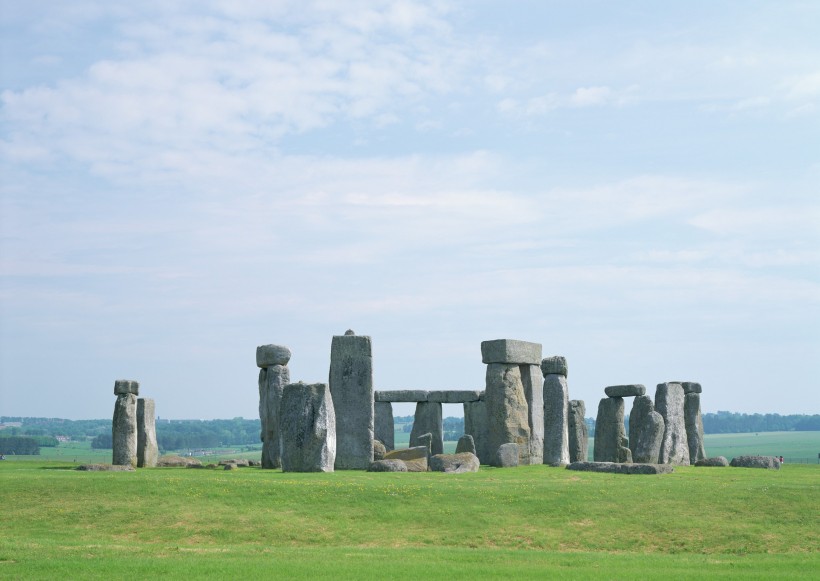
(634, 185)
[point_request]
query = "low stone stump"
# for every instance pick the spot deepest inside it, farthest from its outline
(414, 458)
(767, 462)
(393, 465)
(177, 462)
(105, 468)
(620, 468)
(507, 456)
(454, 463)
(465, 444)
(716, 461)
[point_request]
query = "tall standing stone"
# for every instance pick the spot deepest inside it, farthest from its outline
(694, 424)
(646, 427)
(475, 424)
(147, 449)
(274, 375)
(428, 421)
(532, 380)
(384, 425)
(308, 429)
(351, 385)
(578, 431)
(611, 444)
(669, 402)
(124, 423)
(507, 410)
(556, 408)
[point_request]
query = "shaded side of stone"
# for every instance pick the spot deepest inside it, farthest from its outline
(556, 420)
(610, 433)
(351, 385)
(454, 463)
(507, 456)
(578, 431)
(427, 420)
(716, 461)
(147, 449)
(465, 444)
(511, 351)
(393, 465)
(384, 426)
(507, 409)
(272, 382)
(669, 401)
(646, 428)
(124, 431)
(308, 428)
(768, 462)
(694, 426)
(475, 424)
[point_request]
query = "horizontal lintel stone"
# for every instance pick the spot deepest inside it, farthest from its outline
(511, 351)
(453, 396)
(625, 390)
(401, 395)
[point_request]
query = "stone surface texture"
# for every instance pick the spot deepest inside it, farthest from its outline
(308, 428)
(507, 456)
(610, 433)
(174, 461)
(384, 427)
(402, 395)
(465, 444)
(453, 395)
(578, 431)
(694, 426)
(126, 386)
(768, 462)
(272, 382)
(620, 468)
(556, 364)
(454, 463)
(475, 424)
(351, 385)
(414, 458)
(691, 387)
(625, 390)
(716, 461)
(507, 410)
(556, 420)
(269, 355)
(511, 351)
(669, 401)
(646, 427)
(394, 465)
(532, 380)
(378, 450)
(427, 420)
(147, 449)
(124, 431)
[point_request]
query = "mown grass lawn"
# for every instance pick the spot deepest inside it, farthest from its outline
(527, 522)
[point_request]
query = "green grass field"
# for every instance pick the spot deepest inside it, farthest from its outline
(521, 523)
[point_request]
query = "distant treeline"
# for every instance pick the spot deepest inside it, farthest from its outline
(732, 423)
(29, 445)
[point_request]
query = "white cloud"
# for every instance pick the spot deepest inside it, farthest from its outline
(589, 96)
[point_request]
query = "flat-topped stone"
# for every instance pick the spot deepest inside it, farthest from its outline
(625, 390)
(619, 468)
(554, 365)
(511, 351)
(126, 386)
(691, 387)
(394, 465)
(453, 396)
(268, 355)
(401, 395)
(767, 462)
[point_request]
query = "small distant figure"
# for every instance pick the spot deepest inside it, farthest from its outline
(781, 459)
(2, 456)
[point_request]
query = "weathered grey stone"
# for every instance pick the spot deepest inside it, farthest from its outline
(611, 444)
(453, 395)
(769, 462)
(428, 421)
(620, 468)
(104, 468)
(126, 386)
(511, 351)
(507, 455)
(229, 466)
(691, 387)
(532, 380)
(394, 465)
(454, 463)
(424, 441)
(475, 425)
(556, 421)
(646, 427)
(384, 426)
(481, 395)
(578, 431)
(124, 431)
(625, 390)
(147, 449)
(716, 461)
(378, 450)
(351, 385)
(174, 461)
(465, 444)
(308, 428)
(414, 458)
(669, 399)
(239, 462)
(694, 426)
(555, 364)
(272, 382)
(507, 410)
(401, 395)
(269, 355)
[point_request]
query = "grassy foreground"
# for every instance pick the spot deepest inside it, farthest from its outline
(527, 522)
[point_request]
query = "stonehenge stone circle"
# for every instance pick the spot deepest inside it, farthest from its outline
(507, 456)
(475, 425)
(768, 462)
(465, 444)
(384, 429)
(415, 459)
(308, 436)
(124, 430)
(646, 427)
(351, 386)
(669, 402)
(272, 382)
(578, 431)
(625, 390)
(454, 463)
(507, 410)
(719, 461)
(147, 449)
(694, 426)
(611, 444)
(556, 364)
(427, 420)
(556, 414)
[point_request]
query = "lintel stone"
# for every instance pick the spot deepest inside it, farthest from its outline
(453, 396)
(401, 395)
(126, 386)
(625, 390)
(511, 351)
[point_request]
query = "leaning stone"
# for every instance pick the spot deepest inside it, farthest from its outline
(427, 420)
(173, 461)
(769, 462)
(424, 440)
(475, 425)
(394, 465)
(556, 364)
(694, 426)
(414, 458)
(268, 355)
(619, 468)
(533, 383)
(379, 450)
(126, 386)
(308, 428)
(272, 382)
(105, 468)
(511, 351)
(578, 431)
(716, 461)
(625, 390)
(147, 449)
(507, 410)
(669, 402)
(454, 463)
(453, 396)
(401, 395)
(691, 387)
(556, 425)
(507, 456)
(465, 444)
(610, 434)
(351, 385)
(124, 431)
(384, 427)
(646, 427)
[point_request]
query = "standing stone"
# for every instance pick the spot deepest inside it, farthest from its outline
(646, 427)
(578, 431)
(669, 402)
(556, 408)
(531, 378)
(308, 432)
(272, 382)
(611, 444)
(351, 385)
(694, 426)
(428, 421)
(465, 444)
(507, 410)
(124, 430)
(475, 424)
(507, 455)
(384, 426)
(147, 449)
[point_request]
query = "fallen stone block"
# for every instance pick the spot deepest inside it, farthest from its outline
(105, 468)
(620, 468)
(391, 465)
(716, 461)
(173, 461)
(454, 463)
(767, 462)
(414, 458)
